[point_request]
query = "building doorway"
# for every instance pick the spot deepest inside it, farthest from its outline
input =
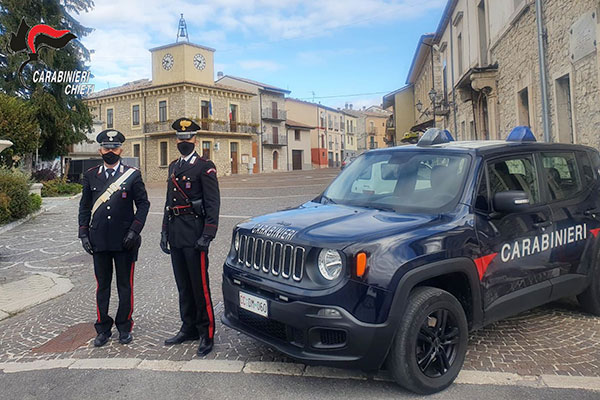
(296, 160)
(233, 149)
(275, 160)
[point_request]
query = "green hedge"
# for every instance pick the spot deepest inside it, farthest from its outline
(60, 187)
(15, 201)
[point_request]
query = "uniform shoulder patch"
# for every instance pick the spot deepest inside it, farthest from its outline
(211, 170)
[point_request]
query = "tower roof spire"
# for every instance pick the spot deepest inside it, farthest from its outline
(182, 31)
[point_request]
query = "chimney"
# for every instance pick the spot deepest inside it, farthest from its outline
(219, 74)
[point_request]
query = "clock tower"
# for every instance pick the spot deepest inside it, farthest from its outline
(182, 61)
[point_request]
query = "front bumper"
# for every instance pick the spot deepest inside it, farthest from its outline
(295, 329)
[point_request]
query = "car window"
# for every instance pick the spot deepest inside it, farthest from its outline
(404, 181)
(585, 163)
(514, 174)
(562, 175)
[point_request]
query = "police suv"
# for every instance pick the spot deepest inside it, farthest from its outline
(412, 247)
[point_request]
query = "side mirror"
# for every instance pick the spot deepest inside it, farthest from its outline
(511, 201)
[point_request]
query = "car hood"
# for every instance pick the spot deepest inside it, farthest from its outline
(317, 224)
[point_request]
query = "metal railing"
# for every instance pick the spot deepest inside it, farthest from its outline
(154, 127)
(274, 114)
(276, 140)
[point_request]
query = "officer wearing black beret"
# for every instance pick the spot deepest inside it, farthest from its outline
(189, 225)
(109, 229)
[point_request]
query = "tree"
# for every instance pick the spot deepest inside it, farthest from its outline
(18, 124)
(63, 119)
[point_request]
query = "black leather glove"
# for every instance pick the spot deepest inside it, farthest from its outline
(131, 240)
(164, 242)
(203, 243)
(87, 246)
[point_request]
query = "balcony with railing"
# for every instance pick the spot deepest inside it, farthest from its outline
(372, 145)
(205, 126)
(372, 131)
(274, 114)
(274, 140)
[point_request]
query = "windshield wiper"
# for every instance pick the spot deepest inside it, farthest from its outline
(327, 199)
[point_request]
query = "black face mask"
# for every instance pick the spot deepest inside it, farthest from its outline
(110, 158)
(185, 148)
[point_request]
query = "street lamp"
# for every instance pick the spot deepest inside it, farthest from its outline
(419, 106)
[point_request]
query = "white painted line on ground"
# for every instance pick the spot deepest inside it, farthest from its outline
(277, 368)
(466, 377)
(35, 365)
(106, 363)
(220, 216)
(334, 373)
(213, 366)
(571, 382)
(497, 378)
(271, 187)
(161, 365)
(270, 197)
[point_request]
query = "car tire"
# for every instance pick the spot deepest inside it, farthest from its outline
(590, 299)
(423, 334)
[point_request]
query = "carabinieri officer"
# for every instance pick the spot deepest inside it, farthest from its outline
(189, 225)
(109, 230)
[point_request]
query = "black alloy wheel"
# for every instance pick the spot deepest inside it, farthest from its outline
(430, 345)
(437, 343)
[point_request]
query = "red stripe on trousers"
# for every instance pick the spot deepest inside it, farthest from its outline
(131, 286)
(97, 308)
(209, 311)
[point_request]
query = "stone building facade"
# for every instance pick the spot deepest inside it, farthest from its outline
(144, 110)
(269, 114)
(490, 69)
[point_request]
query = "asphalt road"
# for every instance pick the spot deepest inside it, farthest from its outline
(135, 384)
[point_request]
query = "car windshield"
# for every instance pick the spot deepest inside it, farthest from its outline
(403, 181)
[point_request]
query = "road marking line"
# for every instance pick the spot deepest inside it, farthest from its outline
(161, 365)
(466, 377)
(220, 216)
(106, 363)
(38, 365)
(224, 366)
(277, 368)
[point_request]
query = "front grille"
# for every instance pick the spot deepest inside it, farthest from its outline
(276, 258)
(267, 326)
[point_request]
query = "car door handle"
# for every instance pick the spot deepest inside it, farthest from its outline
(543, 224)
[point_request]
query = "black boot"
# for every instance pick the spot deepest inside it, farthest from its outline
(180, 338)
(102, 338)
(206, 346)
(125, 337)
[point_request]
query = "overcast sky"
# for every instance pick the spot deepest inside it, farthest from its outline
(329, 47)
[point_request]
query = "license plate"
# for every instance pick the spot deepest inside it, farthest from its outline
(254, 304)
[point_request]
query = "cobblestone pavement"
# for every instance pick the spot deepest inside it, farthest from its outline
(554, 339)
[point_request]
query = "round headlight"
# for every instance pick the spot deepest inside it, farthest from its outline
(236, 241)
(330, 264)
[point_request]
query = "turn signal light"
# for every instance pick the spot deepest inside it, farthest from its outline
(361, 264)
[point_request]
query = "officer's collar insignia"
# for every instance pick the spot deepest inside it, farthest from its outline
(121, 169)
(193, 160)
(184, 124)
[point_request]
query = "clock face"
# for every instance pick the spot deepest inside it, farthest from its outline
(199, 61)
(167, 61)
